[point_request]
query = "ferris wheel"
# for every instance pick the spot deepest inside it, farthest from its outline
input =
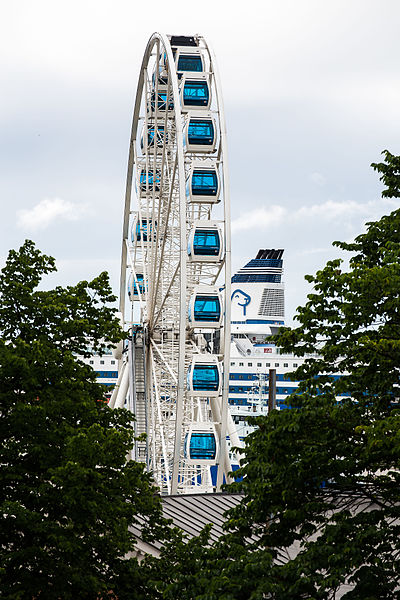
(175, 270)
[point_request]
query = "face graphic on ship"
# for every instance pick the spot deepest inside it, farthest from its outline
(241, 299)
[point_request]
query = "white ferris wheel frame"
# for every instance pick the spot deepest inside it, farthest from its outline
(170, 476)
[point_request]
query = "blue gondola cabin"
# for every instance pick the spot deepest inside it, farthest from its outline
(203, 184)
(195, 93)
(143, 231)
(204, 376)
(205, 308)
(149, 183)
(205, 242)
(199, 133)
(201, 446)
(136, 287)
(151, 133)
(188, 60)
(162, 99)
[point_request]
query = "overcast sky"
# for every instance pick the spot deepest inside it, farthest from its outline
(312, 96)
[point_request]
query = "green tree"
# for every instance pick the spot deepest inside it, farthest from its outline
(325, 475)
(67, 493)
(323, 478)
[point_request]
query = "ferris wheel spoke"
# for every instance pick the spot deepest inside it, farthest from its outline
(165, 361)
(166, 296)
(216, 274)
(157, 273)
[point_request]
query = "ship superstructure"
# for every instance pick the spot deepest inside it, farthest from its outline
(258, 310)
(106, 367)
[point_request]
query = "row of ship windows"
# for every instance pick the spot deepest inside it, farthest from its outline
(242, 419)
(250, 364)
(256, 278)
(112, 362)
(234, 389)
(255, 377)
(249, 404)
(110, 374)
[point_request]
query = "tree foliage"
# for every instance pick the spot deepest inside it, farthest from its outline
(324, 476)
(321, 481)
(67, 493)
(389, 171)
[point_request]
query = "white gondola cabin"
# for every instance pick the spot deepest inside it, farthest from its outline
(143, 230)
(148, 182)
(188, 60)
(204, 376)
(136, 287)
(195, 92)
(162, 101)
(201, 444)
(156, 131)
(200, 133)
(203, 183)
(205, 243)
(205, 308)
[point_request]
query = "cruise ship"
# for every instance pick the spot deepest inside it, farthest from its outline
(258, 310)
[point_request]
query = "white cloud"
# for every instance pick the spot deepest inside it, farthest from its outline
(47, 211)
(332, 210)
(260, 218)
(329, 211)
(317, 178)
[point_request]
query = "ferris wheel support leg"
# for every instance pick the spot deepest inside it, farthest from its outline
(233, 434)
(131, 379)
(223, 445)
(123, 389)
(114, 395)
(223, 463)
